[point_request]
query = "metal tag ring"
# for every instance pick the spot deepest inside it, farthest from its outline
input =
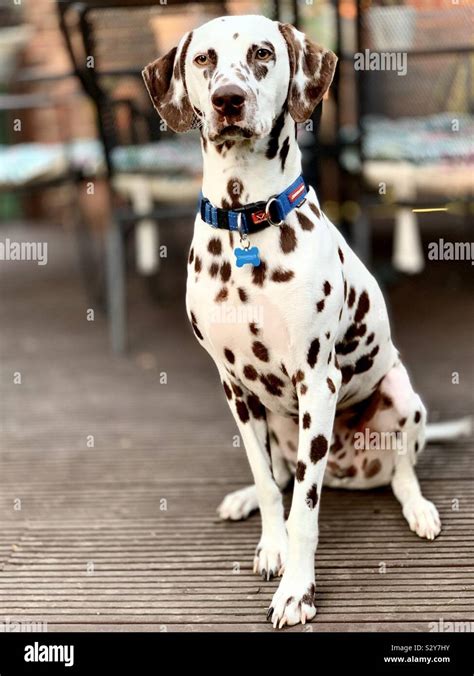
(267, 212)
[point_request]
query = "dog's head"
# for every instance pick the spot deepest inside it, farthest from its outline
(234, 75)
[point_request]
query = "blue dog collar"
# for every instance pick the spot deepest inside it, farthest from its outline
(258, 215)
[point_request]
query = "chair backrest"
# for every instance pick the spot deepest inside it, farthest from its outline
(109, 42)
(430, 63)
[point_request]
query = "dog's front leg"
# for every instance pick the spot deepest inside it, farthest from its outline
(293, 601)
(250, 416)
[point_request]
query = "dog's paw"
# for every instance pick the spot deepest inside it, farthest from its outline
(422, 517)
(239, 504)
(270, 556)
(292, 603)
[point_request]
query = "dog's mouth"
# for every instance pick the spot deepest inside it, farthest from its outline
(231, 132)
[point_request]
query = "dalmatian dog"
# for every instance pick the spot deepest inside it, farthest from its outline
(295, 323)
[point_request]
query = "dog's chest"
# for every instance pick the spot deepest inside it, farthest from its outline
(242, 322)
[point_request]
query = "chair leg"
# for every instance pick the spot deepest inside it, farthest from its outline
(116, 287)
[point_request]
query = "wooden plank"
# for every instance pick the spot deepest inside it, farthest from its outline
(173, 570)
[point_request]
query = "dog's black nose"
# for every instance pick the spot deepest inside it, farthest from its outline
(228, 100)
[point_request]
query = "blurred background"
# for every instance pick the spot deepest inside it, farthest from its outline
(108, 400)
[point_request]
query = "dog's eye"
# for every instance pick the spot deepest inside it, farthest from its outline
(263, 54)
(201, 60)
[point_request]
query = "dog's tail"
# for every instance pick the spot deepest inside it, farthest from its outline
(452, 429)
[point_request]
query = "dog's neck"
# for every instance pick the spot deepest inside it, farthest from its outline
(242, 172)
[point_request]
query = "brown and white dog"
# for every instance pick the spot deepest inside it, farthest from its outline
(302, 341)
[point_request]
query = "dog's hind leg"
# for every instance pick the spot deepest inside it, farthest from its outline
(421, 514)
(239, 504)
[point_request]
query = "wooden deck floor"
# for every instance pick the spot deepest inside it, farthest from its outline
(123, 535)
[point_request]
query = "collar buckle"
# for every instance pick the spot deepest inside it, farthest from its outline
(267, 211)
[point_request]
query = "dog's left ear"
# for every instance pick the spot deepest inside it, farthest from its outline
(311, 72)
(166, 84)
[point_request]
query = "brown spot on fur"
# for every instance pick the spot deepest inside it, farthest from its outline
(214, 269)
(229, 355)
(227, 390)
(250, 372)
(402, 422)
(191, 256)
(259, 69)
(303, 389)
(352, 297)
(297, 377)
(363, 307)
(242, 410)
(254, 328)
(215, 247)
(327, 288)
(341, 255)
(235, 189)
(319, 448)
(256, 407)
(242, 295)
(313, 353)
(370, 339)
(320, 305)
(417, 417)
(300, 470)
(274, 135)
(305, 222)
(222, 295)
(346, 348)
(260, 351)
(306, 421)
(195, 327)
(197, 265)
(280, 275)
(341, 472)
(197, 331)
(347, 372)
(259, 273)
(331, 385)
(315, 210)
(237, 390)
(372, 468)
(312, 497)
(272, 384)
(284, 152)
(363, 364)
(226, 270)
(288, 239)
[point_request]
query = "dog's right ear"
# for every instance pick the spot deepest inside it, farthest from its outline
(165, 80)
(311, 72)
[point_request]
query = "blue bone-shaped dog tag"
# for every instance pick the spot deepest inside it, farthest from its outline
(247, 257)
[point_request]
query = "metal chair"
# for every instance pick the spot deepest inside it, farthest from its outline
(401, 134)
(153, 175)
